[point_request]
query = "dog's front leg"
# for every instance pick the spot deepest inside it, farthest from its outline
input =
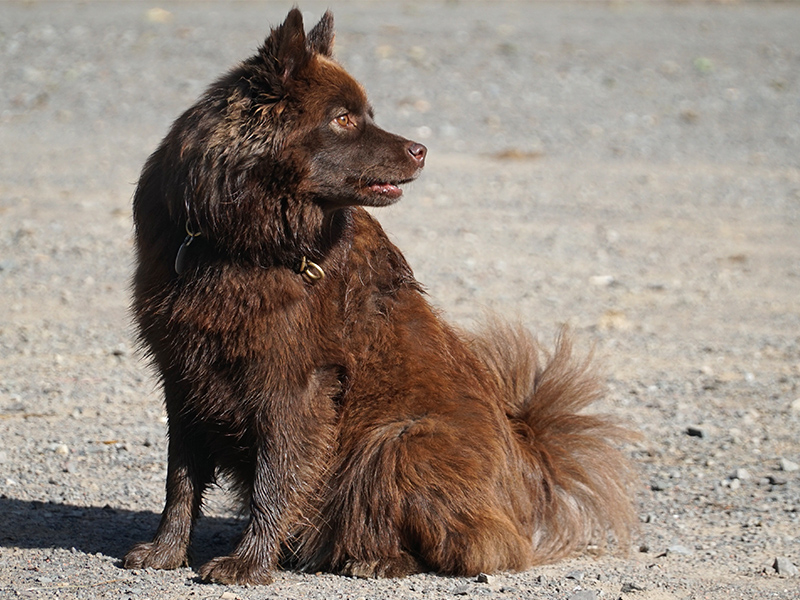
(256, 553)
(294, 439)
(189, 472)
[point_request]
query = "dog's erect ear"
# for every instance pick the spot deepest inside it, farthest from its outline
(292, 53)
(320, 38)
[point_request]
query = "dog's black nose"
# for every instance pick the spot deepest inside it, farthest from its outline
(418, 152)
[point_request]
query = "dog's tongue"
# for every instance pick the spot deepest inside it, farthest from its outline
(386, 189)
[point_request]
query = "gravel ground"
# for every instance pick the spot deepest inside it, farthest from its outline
(630, 168)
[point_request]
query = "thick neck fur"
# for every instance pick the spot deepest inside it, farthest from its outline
(232, 168)
(248, 210)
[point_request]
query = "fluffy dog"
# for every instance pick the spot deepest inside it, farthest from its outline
(300, 358)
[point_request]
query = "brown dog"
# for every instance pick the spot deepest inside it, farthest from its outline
(300, 358)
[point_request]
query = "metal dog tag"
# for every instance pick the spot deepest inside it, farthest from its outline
(180, 257)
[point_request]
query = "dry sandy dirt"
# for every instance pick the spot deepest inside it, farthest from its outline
(632, 169)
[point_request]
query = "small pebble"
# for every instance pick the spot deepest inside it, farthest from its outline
(742, 474)
(483, 578)
(461, 590)
(783, 566)
(576, 575)
(602, 280)
(119, 350)
(583, 595)
(695, 431)
(61, 449)
(788, 466)
(159, 15)
(659, 486)
(629, 587)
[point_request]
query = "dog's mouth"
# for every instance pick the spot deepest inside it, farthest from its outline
(388, 191)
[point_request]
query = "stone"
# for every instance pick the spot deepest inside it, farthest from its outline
(696, 431)
(679, 549)
(783, 566)
(742, 474)
(659, 485)
(583, 595)
(61, 449)
(788, 466)
(602, 280)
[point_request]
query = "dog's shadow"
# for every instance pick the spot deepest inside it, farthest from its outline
(104, 530)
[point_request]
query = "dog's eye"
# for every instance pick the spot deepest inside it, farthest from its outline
(345, 121)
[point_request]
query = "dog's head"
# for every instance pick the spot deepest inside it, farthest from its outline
(272, 148)
(292, 122)
(328, 122)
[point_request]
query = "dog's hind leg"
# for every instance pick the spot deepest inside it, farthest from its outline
(415, 495)
(458, 514)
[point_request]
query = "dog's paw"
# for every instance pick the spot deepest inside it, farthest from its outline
(149, 555)
(398, 566)
(233, 570)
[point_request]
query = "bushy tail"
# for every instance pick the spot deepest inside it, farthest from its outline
(579, 481)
